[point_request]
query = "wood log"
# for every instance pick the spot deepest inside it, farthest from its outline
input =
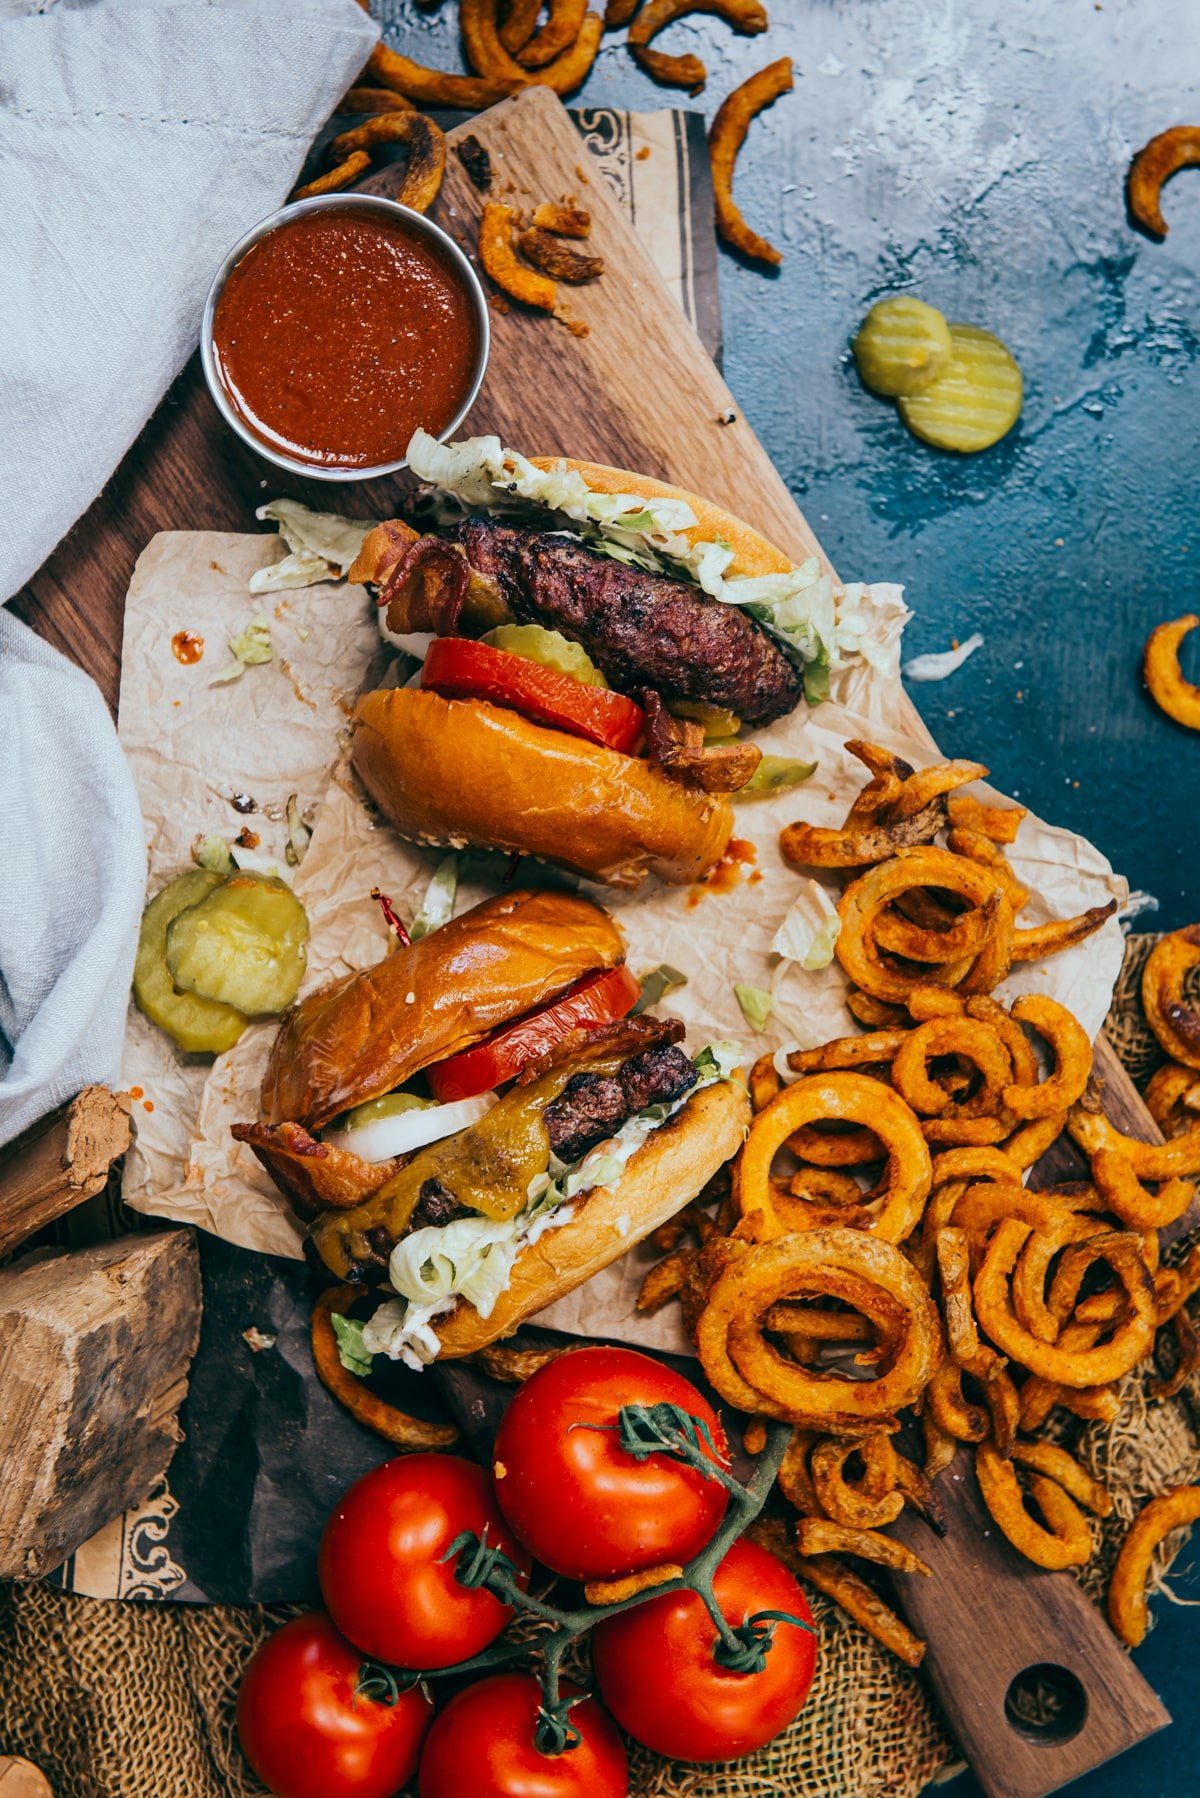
(94, 1352)
(60, 1161)
(19, 1778)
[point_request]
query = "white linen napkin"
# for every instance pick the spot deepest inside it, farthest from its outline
(139, 139)
(71, 881)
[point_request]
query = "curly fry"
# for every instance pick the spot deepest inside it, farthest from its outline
(1065, 1471)
(725, 139)
(1172, 150)
(664, 1281)
(1066, 1541)
(1173, 1510)
(618, 13)
(1173, 1092)
(616, 1591)
(754, 1436)
(499, 259)
(557, 34)
(342, 176)
(489, 58)
(394, 1426)
(747, 17)
(978, 848)
(427, 152)
(820, 1536)
(1127, 1198)
(1171, 693)
(1171, 961)
(557, 259)
(563, 220)
(520, 24)
(435, 87)
(1187, 1351)
(1149, 1160)
(1072, 1058)
(856, 1598)
(1063, 933)
(999, 824)
(867, 1503)
(373, 100)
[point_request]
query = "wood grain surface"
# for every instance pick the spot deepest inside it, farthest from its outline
(638, 390)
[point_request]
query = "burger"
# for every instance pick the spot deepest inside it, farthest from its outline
(477, 1124)
(594, 644)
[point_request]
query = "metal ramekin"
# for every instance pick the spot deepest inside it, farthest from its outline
(420, 227)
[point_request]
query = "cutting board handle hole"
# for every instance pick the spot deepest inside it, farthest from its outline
(1046, 1703)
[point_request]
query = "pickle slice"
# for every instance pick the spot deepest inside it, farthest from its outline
(538, 644)
(975, 403)
(902, 345)
(198, 1025)
(389, 1106)
(244, 944)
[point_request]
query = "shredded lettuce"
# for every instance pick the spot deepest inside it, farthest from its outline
(299, 835)
(352, 1353)
(810, 930)
(756, 1005)
(655, 985)
(212, 854)
(717, 1061)
(321, 546)
(822, 625)
(250, 647)
(438, 904)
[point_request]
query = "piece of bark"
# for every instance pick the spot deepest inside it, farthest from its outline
(60, 1161)
(94, 1352)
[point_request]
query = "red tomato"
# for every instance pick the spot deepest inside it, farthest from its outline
(482, 1747)
(655, 1668)
(579, 1503)
(462, 669)
(598, 999)
(380, 1565)
(307, 1728)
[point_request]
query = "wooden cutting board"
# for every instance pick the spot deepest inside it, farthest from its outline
(637, 390)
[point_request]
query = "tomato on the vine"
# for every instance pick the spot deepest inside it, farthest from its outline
(657, 1673)
(381, 1569)
(482, 1746)
(580, 1503)
(316, 1721)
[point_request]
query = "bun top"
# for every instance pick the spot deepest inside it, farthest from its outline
(752, 553)
(365, 1034)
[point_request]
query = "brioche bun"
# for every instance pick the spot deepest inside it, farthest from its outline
(368, 1032)
(465, 771)
(670, 1168)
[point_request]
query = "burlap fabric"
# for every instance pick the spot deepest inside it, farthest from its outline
(137, 1701)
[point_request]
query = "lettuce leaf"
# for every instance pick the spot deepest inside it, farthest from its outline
(321, 545)
(351, 1352)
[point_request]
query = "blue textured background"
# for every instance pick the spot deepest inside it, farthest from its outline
(975, 152)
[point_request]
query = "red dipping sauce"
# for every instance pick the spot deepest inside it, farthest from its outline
(341, 332)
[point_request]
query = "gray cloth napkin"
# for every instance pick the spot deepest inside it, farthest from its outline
(138, 141)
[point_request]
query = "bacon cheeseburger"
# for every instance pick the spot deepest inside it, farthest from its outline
(593, 644)
(477, 1122)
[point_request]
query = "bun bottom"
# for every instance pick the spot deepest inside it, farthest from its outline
(670, 1168)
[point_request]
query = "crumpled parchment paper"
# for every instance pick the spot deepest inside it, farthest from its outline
(281, 729)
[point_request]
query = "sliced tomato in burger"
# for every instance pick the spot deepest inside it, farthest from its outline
(598, 999)
(459, 668)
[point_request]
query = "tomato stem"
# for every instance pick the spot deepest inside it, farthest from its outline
(645, 1430)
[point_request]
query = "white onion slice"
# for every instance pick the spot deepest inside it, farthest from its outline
(405, 1131)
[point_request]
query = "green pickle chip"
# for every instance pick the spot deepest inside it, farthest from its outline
(975, 403)
(902, 345)
(199, 1026)
(388, 1106)
(244, 944)
(538, 644)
